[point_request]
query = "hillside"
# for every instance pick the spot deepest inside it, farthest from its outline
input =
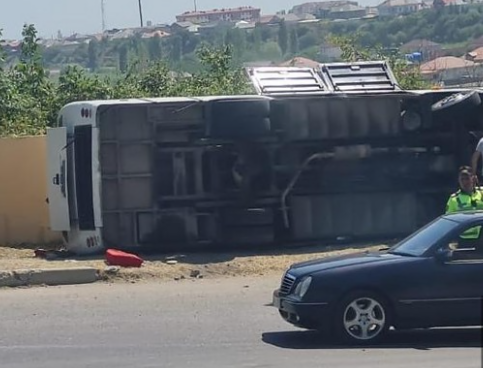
(455, 28)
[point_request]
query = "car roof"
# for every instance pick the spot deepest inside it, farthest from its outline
(465, 216)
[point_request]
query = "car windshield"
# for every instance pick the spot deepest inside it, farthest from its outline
(419, 242)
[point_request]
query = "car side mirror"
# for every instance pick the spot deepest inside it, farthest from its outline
(444, 255)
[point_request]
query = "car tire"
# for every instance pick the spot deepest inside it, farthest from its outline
(471, 98)
(356, 313)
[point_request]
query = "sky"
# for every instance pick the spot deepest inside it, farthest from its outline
(84, 16)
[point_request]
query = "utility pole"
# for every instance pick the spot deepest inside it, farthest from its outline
(103, 12)
(141, 13)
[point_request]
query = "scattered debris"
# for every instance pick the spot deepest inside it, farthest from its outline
(226, 264)
(51, 255)
(116, 257)
(112, 270)
(174, 258)
(196, 274)
(172, 261)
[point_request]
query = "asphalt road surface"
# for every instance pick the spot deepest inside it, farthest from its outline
(202, 323)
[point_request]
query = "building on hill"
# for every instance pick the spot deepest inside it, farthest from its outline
(271, 20)
(475, 55)
(348, 11)
(160, 34)
(243, 24)
(452, 70)
(321, 7)
(267, 20)
(184, 26)
(300, 62)
(246, 13)
(401, 7)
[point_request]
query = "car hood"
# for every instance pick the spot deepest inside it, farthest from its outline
(354, 259)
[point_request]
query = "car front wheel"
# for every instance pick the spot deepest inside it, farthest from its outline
(362, 317)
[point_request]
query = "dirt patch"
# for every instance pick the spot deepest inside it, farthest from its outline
(184, 266)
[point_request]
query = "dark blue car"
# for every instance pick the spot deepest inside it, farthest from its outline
(433, 278)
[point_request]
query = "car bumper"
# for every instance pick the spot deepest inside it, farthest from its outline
(300, 314)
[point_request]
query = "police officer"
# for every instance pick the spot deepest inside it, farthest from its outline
(468, 198)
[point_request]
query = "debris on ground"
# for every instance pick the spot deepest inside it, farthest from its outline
(196, 274)
(212, 265)
(52, 254)
(112, 270)
(116, 257)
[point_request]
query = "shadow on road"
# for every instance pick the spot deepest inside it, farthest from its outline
(416, 339)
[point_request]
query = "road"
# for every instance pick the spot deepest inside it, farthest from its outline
(202, 323)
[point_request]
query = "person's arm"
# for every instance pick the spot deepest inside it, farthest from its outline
(476, 156)
(474, 161)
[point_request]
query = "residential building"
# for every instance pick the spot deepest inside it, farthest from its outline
(320, 7)
(287, 18)
(267, 20)
(300, 62)
(454, 2)
(306, 17)
(246, 13)
(159, 34)
(348, 11)
(400, 7)
(452, 70)
(184, 26)
(270, 20)
(243, 24)
(475, 55)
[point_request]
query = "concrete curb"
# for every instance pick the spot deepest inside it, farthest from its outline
(49, 276)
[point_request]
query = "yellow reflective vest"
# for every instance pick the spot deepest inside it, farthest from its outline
(461, 201)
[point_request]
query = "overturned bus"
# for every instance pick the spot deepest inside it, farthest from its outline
(340, 151)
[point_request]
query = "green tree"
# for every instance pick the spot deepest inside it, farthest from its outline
(176, 49)
(283, 37)
(123, 58)
(30, 101)
(257, 39)
(294, 42)
(27, 95)
(94, 51)
(154, 48)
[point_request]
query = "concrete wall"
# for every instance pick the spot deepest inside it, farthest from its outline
(24, 216)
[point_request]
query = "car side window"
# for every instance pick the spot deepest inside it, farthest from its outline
(467, 244)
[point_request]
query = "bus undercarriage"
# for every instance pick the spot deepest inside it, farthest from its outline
(317, 156)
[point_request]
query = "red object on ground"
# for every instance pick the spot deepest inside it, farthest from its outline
(119, 258)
